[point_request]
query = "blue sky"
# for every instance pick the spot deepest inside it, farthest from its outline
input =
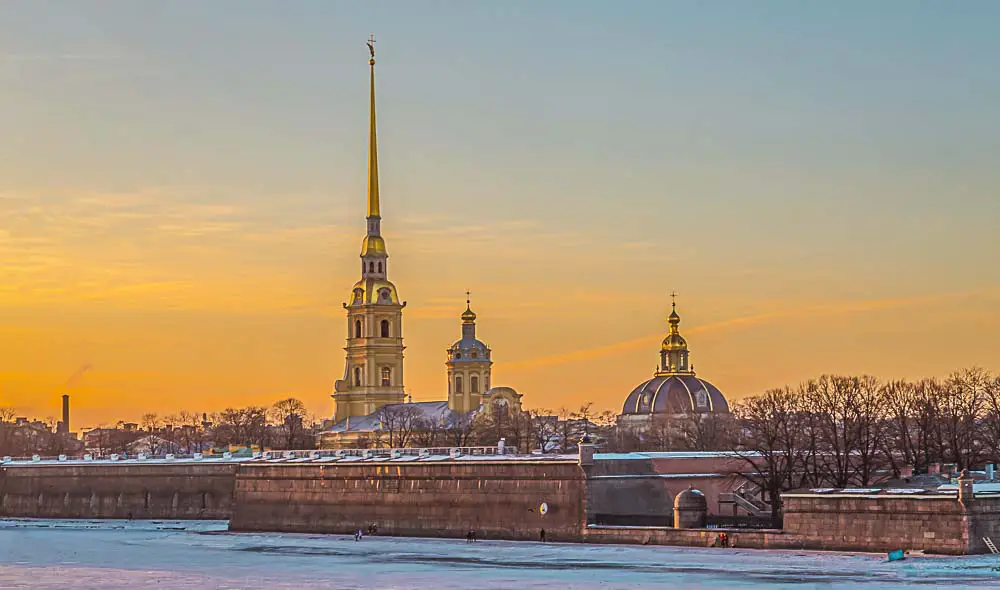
(555, 157)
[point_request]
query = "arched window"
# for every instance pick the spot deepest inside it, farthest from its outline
(474, 384)
(701, 398)
(386, 376)
(385, 328)
(357, 328)
(380, 267)
(458, 384)
(371, 267)
(357, 376)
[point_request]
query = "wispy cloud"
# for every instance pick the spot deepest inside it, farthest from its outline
(820, 310)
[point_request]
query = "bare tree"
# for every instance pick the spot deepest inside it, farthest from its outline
(770, 444)
(398, 422)
(290, 415)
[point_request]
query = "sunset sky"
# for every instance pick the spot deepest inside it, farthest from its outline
(182, 193)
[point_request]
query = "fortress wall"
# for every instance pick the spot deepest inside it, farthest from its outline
(937, 524)
(160, 491)
(499, 500)
(640, 490)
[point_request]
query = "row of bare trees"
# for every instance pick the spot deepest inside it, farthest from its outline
(842, 431)
(522, 431)
(285, 424)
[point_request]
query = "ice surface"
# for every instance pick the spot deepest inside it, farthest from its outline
(170, 554)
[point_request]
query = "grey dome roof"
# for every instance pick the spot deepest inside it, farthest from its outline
(462, 350)
(675, 394)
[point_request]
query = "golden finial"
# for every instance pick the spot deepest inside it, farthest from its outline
(674, 319)
(468, 316)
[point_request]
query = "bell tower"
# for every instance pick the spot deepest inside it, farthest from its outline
(373, 373)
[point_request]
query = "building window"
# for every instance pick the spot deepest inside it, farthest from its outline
(357, 376)
(386, 376)
(700, 398)
(474, 384)
(357, 328)
(371, 267)
(458, 355)
(380, 267)
(385, 328)
(475, 354)
(458, 384)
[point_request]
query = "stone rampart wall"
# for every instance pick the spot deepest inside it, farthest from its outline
(499, 499)
(167, 491)
(872, 523)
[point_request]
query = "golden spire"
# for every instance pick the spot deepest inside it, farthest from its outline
(468, 316)
(373, 209)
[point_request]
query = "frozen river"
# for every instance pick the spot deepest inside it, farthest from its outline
(117, 554)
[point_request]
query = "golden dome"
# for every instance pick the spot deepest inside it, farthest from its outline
(373, 245)
(374, 291)
(468, 315)
(674, 342)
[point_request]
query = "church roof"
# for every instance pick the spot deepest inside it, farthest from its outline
(675, 394)
(427, 413)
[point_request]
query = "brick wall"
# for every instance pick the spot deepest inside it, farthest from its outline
(177, 491)
(443, 499)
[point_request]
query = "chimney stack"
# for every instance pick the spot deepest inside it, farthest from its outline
(65, 416)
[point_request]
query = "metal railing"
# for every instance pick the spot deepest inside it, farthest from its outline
(385, 453)
(280, 455)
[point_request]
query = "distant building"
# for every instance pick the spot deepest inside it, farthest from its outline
(674, 390)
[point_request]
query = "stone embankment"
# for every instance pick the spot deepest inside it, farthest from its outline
(498, 497)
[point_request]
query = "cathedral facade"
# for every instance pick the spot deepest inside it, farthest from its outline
(371, 393)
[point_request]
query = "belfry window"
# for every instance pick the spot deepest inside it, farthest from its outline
(458, 384)
(386, 376)
(380, 267)
(357, 328)
(371, 267)
(385, 328)
(474, 384)
(357, 376)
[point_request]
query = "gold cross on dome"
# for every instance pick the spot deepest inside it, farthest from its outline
(673, 297)
(371, 44)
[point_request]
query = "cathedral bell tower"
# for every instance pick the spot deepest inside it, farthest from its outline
(373, 375)
(468, 366)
